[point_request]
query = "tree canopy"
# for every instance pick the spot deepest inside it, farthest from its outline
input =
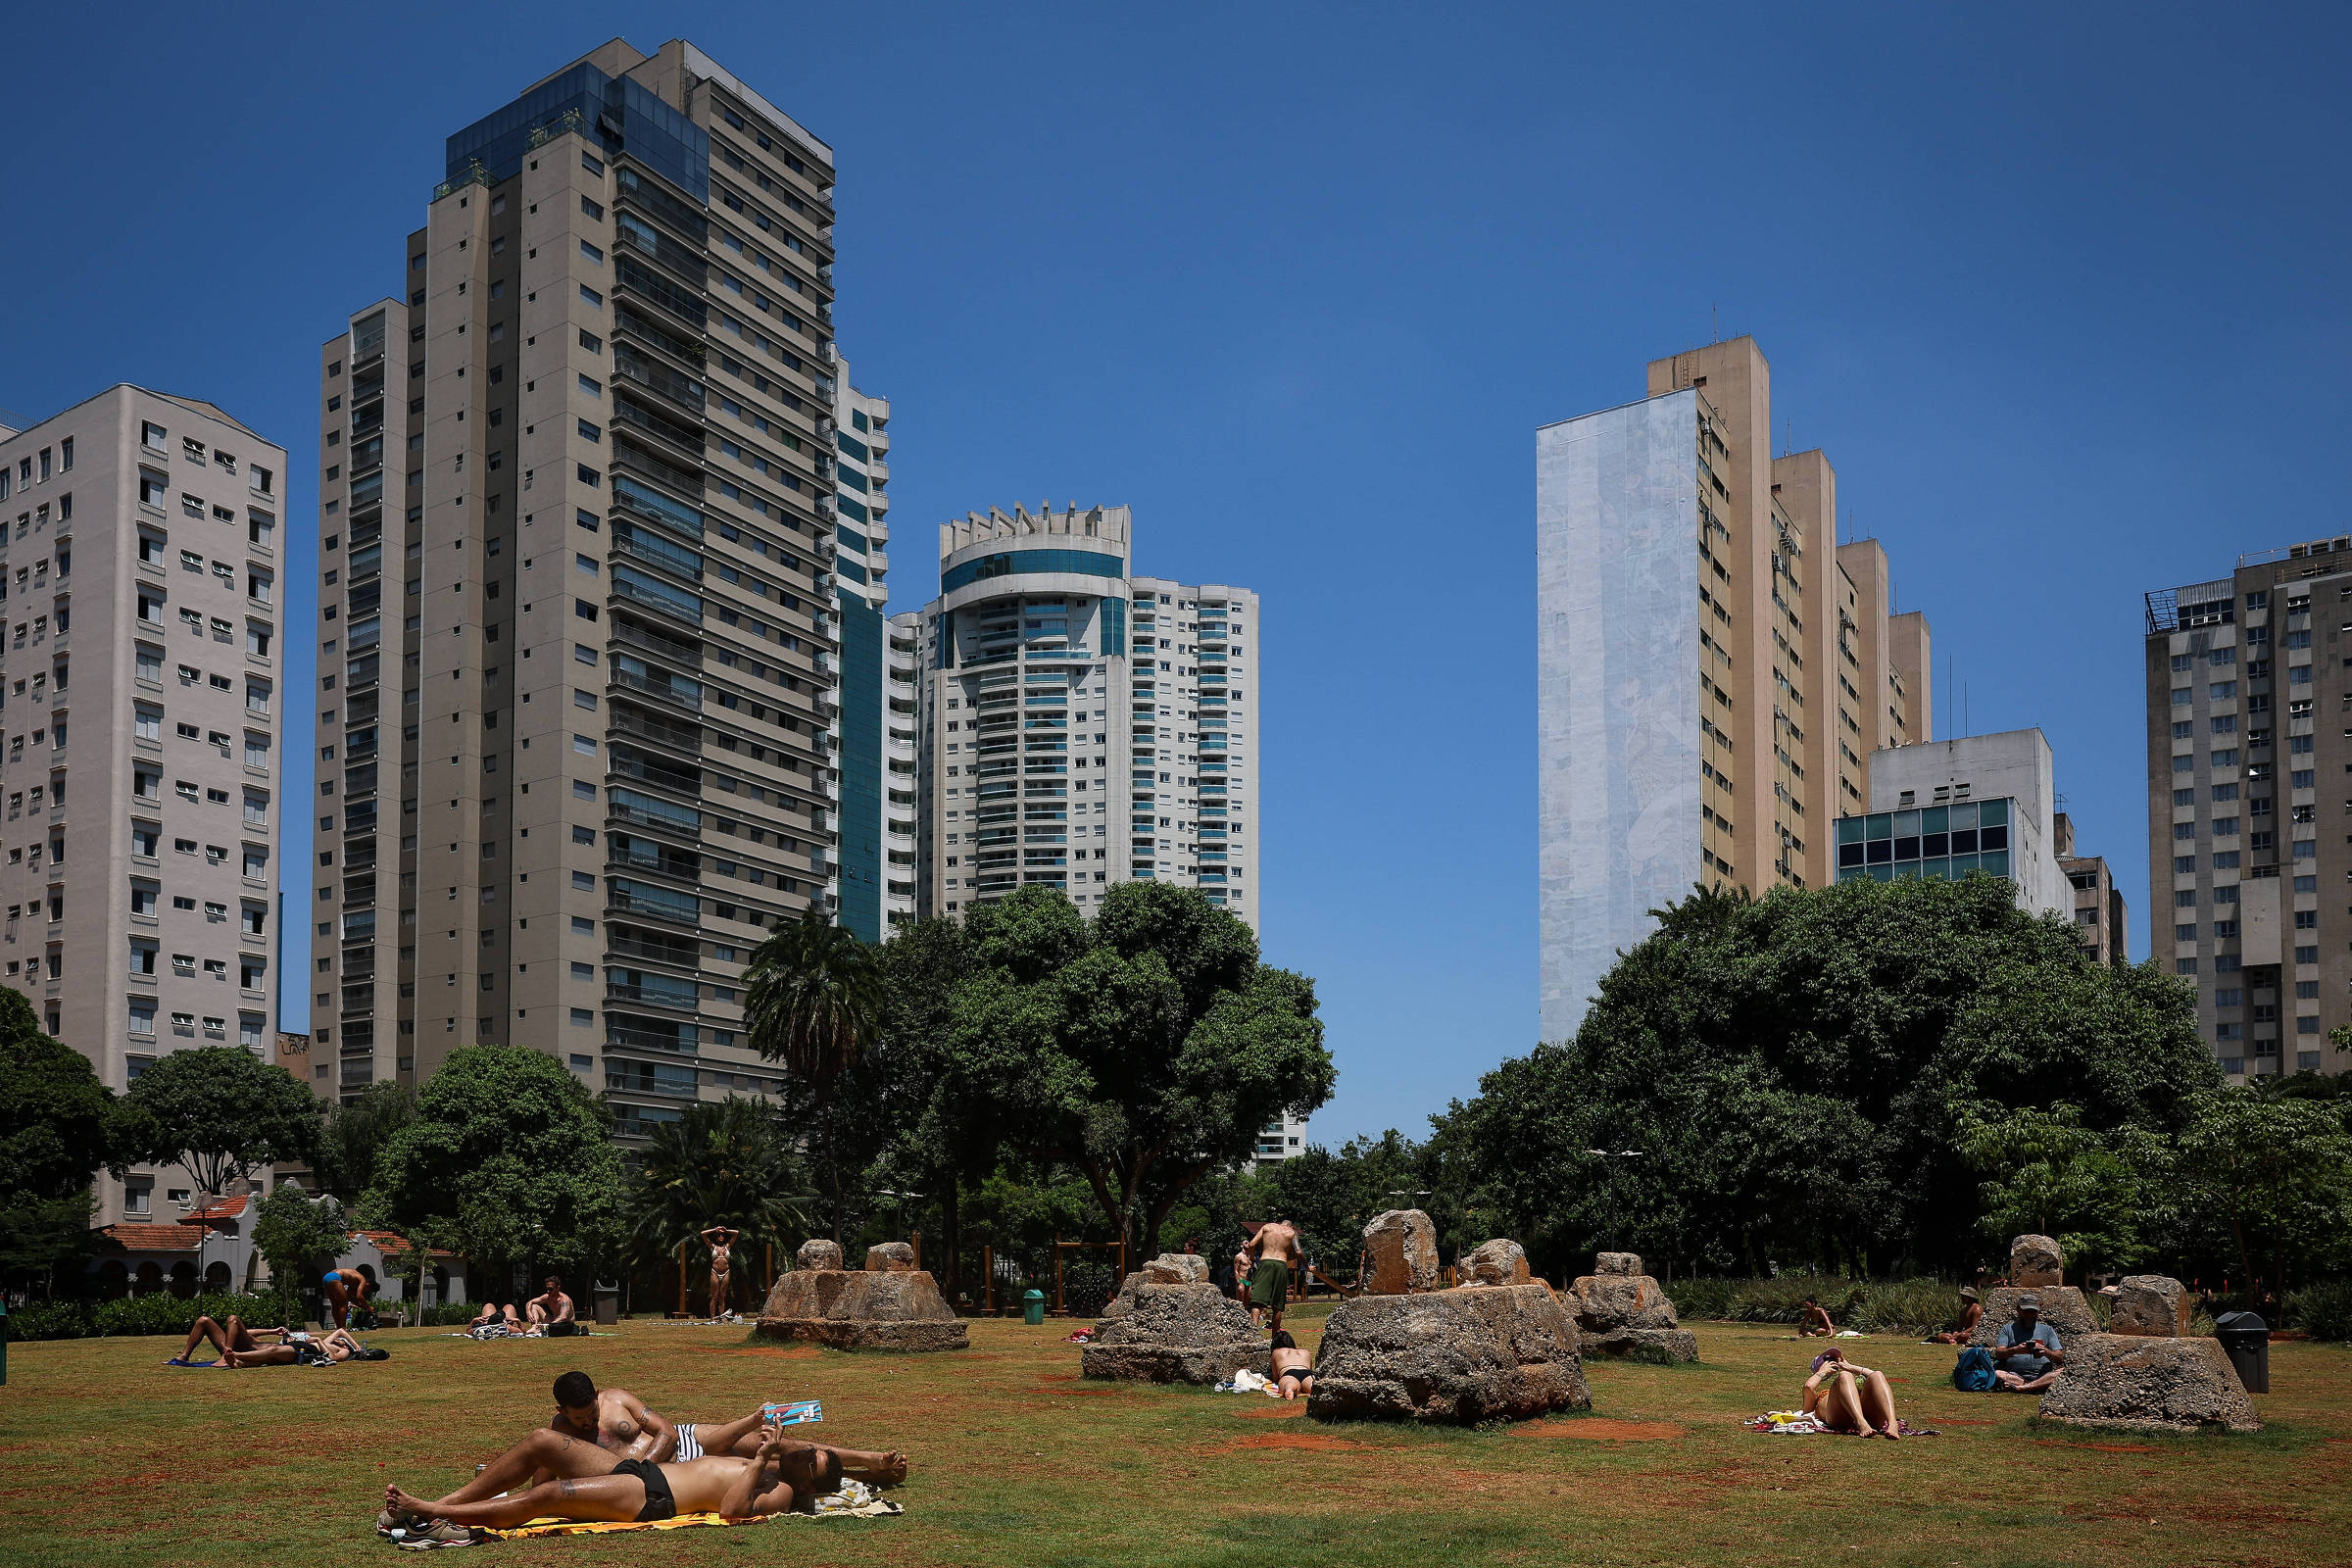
(58, 1126)
(509, 1160)
(813, 998)
(223, 1112)
(723, 1162)
(1796, 1073)
(295, 1231)
(356, 1132)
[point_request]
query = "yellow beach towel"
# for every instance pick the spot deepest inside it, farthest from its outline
(855, 1501)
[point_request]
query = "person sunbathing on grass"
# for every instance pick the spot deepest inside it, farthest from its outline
(241, 1347)
(777, 1479)
(1849, 1398)
(1294, 1368)
(492, 1315)
(744, 1435)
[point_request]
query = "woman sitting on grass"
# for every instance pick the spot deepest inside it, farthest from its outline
(1849, 1398)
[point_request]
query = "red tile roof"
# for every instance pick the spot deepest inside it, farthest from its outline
(391, 1243)
(152, 1237)
(225, 1208)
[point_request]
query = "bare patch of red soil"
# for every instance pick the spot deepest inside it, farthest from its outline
(1601, 1428)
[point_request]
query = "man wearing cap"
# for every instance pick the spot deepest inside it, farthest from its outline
(2027, 1352)
(1972, 1312)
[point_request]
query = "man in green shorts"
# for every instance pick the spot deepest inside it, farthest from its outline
(1275, 1247)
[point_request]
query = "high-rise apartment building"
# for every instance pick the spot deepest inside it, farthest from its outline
(2237, 861)
(877, 814)
(579, 689)
(2098, 903)
(139, 580)
(1081, 725)
(1714, 668)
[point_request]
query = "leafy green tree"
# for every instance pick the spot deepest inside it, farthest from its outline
(223, 1112)
(1143, 1050)
(813, 998)
(295, 1232)
(356, 1132)
(2099, 1195)
(1795, 1072)
(723, 1162)
(2274, 1175)
(58, 1126)
(511, 1161)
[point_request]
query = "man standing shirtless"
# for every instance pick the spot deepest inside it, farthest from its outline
(1275, 1247)
(721, 1241)
(590, 1485)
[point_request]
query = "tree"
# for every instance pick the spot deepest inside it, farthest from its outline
(223, 1112)
(509, 1160)
(723, 1162)
(2274, 1175)
(1143, 1050)
(813, 998)
(2050, 1175)
(1796, 1071)
(356, 1132)
(295, 1232)
(58, 1126)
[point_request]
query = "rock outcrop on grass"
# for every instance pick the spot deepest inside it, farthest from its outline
(861, 1309)
(1184, 1332)
(1623, 1313)
(2144, 1382)
(2062, 1309)
(2035, 1262)
(1497, 1262)
(2152, 1306)
(1462, 1356)
(1401, 1254)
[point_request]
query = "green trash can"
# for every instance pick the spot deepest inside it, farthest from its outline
(1033, 1309)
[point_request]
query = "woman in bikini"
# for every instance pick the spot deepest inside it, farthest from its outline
(1849, 1398)
(1294, 1368)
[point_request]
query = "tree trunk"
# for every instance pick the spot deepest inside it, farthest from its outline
(949, 1213)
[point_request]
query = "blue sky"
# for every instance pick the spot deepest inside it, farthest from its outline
(2061, 291)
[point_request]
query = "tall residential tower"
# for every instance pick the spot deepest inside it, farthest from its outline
(579, 689)
(139, 580)
(1714, 669)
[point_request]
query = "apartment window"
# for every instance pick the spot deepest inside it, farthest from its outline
(142, 898)
(145, 837)
(146, 723)
(142, 1023)
(154, 437)
(66, 455)
(257, 750)
(592, 386)
(590, 432)
(257, 637)
(591, 297)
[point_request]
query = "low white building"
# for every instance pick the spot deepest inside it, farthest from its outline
(1984, 802)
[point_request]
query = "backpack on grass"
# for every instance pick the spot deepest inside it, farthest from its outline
(1973, 1372)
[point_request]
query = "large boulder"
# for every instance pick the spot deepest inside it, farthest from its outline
(861, 1309)
(2145, 1384)
(1466, 1355)
(1401, 1254)
(1177, 1268)
(1497, 1262)
(2034, 1261)
(2150, 1306)
(889, 1258)
(819, 1253)
(1178, 1333)
(1623, 1313)
(2062, 1309)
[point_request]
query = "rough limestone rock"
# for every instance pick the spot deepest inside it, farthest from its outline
(1401, 1254)
(1497, 1262)
(2034, 1261)
(1622, 1313)
(1466, 1355)
(1177, 1268)
(2062, 1309)
(861, 1309)
(890, 1257)
(819, 1253)
(1175, 1333)
(2145, 1384)
(2151, 1305)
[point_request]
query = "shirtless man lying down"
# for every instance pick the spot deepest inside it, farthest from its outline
(591, 1486)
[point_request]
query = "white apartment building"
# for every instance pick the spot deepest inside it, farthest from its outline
(877, 801)
(1082, 725)
(139, 589)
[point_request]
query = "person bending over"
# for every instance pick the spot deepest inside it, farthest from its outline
(2028, 1354)
(1972, 1312)
(776, 1480)
(1294, 1369)
(241, 1347)
(1849, 1398)
(552, 1311)
(346, 1291)
(1814, 1319)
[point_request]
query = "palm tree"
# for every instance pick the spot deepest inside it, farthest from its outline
(722, 1163)
(814, 997)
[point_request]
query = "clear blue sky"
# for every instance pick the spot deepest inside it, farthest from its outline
(2060, 289)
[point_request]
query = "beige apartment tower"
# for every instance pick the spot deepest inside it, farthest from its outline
(577, 646)
(139, 592)
(1714, 667)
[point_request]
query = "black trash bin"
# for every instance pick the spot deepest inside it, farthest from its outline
(2246, 1340)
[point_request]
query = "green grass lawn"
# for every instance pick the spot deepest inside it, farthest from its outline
(107, 1457)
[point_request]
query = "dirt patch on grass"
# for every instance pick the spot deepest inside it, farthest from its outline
(1601, 1427)
(1314, 1441)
